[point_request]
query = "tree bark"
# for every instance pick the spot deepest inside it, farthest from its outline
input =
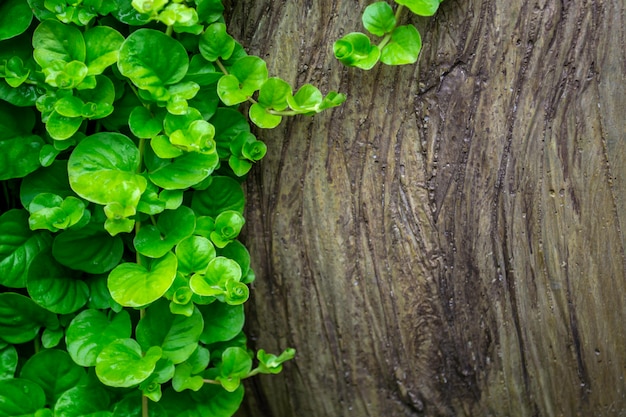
(450, 241)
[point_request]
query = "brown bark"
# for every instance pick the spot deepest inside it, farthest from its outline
(449, 242)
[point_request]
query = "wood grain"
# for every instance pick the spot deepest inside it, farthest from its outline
(450, 241)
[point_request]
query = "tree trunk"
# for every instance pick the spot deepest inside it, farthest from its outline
(450, 241)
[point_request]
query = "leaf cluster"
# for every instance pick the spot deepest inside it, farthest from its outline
(399, 44)
(123, 148)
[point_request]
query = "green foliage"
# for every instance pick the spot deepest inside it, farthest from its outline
(123, 147)
(400, 44)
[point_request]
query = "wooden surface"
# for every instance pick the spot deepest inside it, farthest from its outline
(450, 241)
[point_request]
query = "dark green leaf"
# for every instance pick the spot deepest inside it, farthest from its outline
(20, 397)
(83, 401)
(172, 227)
(21, 318)
(55, 41)
(54, 371)
(224, 193)
(222, 322)
(54, 286)
(8, 362)
(176, 335)
(19, 148)
(99, 252)
(15, 18)
(18, 247)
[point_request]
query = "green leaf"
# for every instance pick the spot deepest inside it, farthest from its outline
(62, 127)
(228, 224)
(144, 124)
(137, 285)
(98, 101)
(8, 362)
(307, 99)
(172, 227)
(219, 271)
(355, 50)
(404, 47)
(183, 379)
(239, 166)
(18, 247)
(236, 364)
(421, 7)
(19, 148)
(163, 148)
(273, 94)
(209, 10)
(236, 251)
(103, 169)
(20, 397)
(183, 171)
(261, 117)
(272, 364)
(246, 76)
(202, 72)
(91, 330)
(21, 318)
(55, 41)
(99, 252)
(15, 18)
(54, 371)
(122, 363)
(215, 43)
(379, 18)
(177, 335)
(222, 322)
(83, 401)
(54, 286)
(141, 59)
(194, 254)
(224, 193)
(102, 48)
(52, 212)
(51, 338)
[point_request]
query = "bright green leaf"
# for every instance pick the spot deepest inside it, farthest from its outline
(215, 43)
(55, 41)
(404, 47)
(194, 254)
(102, 48)
(172, 227)
(183, 171)
(144, 123)
(421, 7)
(122, 363)
(91, 330)
(261, 117)
(142, 60)
(137, 285)
(246, 76)
(213, 282)
(379, 18)
(103, 169)
(355, 50)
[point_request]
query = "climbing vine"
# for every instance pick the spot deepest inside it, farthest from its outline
(123, 147)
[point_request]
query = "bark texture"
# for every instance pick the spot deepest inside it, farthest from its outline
(450, 241)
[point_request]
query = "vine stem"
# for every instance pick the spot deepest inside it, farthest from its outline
(387, 37)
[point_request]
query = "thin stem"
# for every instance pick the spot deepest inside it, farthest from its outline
(387, 37)
(211, 381)
(222, 67)
(144, 406)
